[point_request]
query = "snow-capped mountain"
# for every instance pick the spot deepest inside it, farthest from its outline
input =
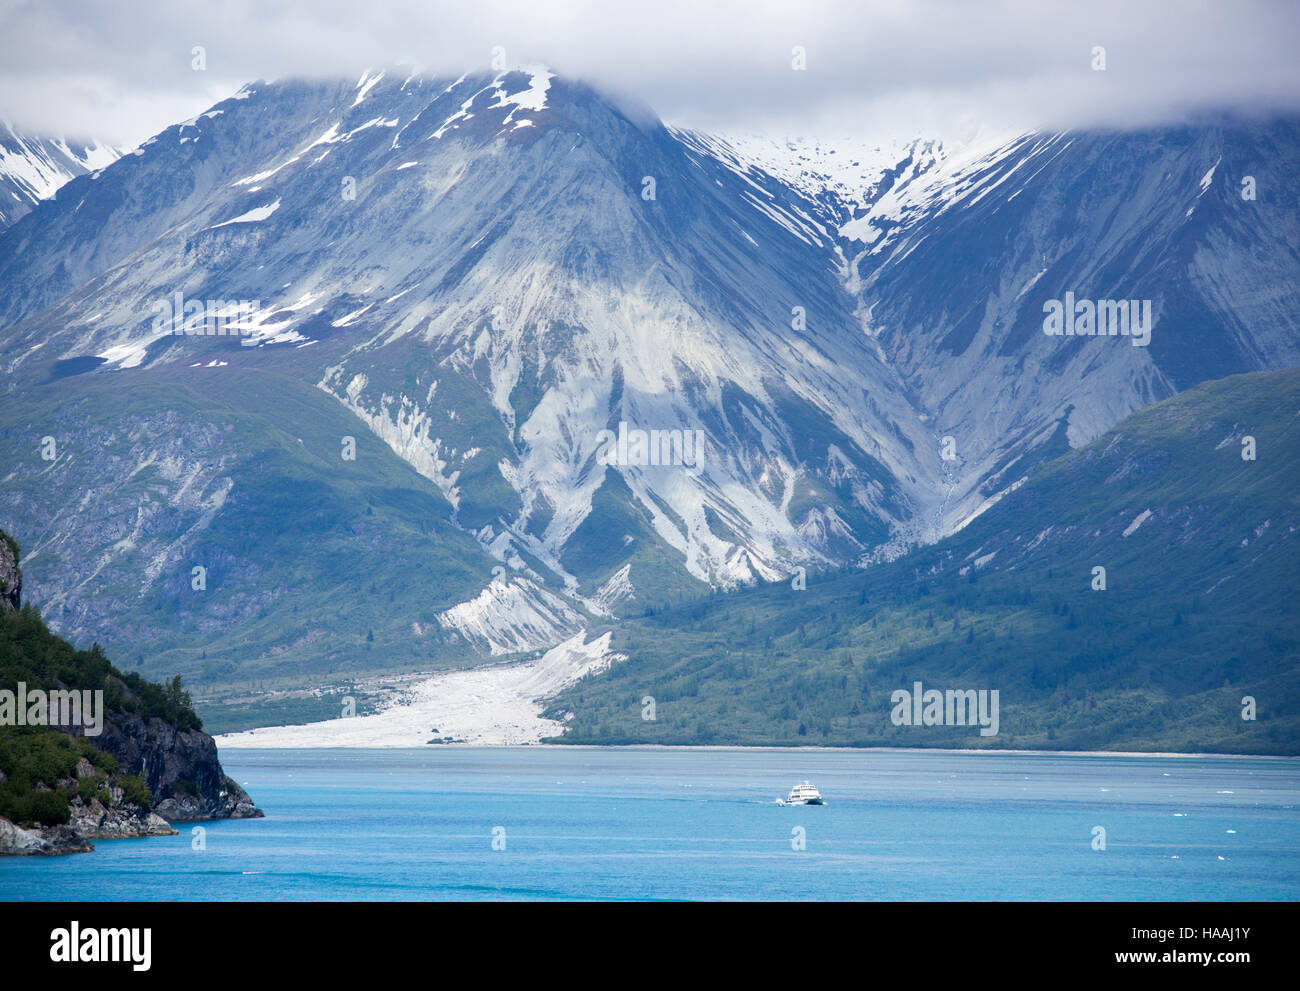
(954, 252)
(523, 268)
(33, 168)
(957, 268)
(510, 280)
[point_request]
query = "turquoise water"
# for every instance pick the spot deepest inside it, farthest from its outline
(703, 824)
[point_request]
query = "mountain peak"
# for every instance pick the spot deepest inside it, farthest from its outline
(34, 167)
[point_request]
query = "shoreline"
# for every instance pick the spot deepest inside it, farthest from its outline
(739, 748)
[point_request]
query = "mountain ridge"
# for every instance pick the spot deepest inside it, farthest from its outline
(503, 285)
(34, 168)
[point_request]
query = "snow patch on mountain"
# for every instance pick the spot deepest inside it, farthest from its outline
(365, 84)
(533, 98)
(251, 217)
(401, 424)
(1138, 520)
(512, 615)
(614, 593)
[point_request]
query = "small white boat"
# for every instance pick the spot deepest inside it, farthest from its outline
(804, 794)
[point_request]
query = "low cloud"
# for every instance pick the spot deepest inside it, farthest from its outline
(82, 68)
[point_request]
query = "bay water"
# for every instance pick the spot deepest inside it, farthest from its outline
(540, 823)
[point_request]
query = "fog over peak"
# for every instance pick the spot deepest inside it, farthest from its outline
(79, 68)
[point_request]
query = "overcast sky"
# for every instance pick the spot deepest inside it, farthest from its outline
(122, 72)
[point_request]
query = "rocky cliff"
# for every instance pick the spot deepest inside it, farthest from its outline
(59, 788)
(11, 578)
(179, 766)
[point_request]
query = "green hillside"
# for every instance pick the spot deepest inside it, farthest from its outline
(1199, 548)
(315, 565)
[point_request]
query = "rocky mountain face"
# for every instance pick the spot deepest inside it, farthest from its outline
(11, 577)
(618, 364)
(33, 168)
(953, 255)
(523, 267)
